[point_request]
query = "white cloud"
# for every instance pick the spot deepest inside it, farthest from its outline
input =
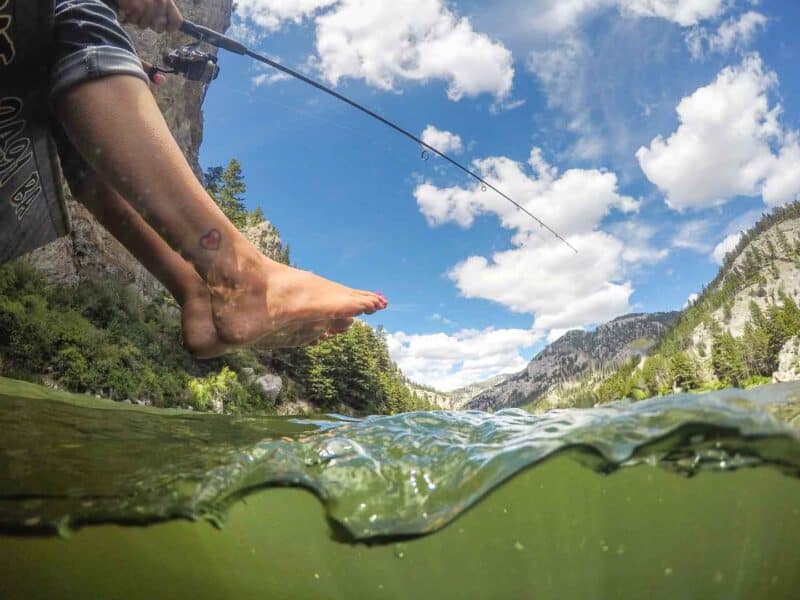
(693, 235)
(723, 146)
(734, 33)
(272, 14)
(267, 75)
(385, 43)
(682, 12)
(443, 319)
(691, 300)
(539, 275)
(448, 362)
(725, 246)
(637, 238)
(442, 140)
(556, 16)
(414, 40)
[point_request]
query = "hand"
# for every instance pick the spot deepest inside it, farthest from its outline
(158, 15)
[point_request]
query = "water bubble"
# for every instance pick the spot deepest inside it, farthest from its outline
(718, 577)
(316, 575)
(620, 550)
(667, 571)
(519, 547)
(399, 551)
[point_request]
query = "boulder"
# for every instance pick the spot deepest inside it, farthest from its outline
(271, 386)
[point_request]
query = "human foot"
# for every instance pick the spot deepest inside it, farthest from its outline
(201, 339)
(200, 335)
(255, 298)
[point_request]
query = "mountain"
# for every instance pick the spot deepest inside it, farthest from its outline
(742, 330)
(575, 354)
(456, 399)
(461, 397)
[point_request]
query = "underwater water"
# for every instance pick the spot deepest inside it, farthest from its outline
(687, 496)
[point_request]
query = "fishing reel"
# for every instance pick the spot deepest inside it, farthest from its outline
(190, 62)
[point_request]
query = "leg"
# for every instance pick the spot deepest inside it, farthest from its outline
(178, 276)
(117, 126)
(101, 96)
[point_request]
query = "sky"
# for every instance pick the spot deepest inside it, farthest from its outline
(649, 133)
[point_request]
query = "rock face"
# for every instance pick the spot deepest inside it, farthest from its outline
(265, 237)
(462, 396)
(576, 354)
(89, 250)
(788, 361)
(780, 274)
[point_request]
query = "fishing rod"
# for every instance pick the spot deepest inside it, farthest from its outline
(214, 38)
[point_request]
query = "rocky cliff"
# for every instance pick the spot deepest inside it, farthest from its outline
(89, 250)
(766, 267)
(742, 330)
(574, 355)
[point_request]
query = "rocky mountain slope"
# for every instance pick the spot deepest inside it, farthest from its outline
(576, 354)
(89, 250)
(743, 329)
(456, 399)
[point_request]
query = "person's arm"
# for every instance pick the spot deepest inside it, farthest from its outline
(158, 15)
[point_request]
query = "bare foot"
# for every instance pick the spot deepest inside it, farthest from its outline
(254, 298)
(201, 339)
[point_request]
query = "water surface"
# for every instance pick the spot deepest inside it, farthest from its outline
(669, 497)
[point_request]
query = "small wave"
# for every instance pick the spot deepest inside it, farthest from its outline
(66, 464)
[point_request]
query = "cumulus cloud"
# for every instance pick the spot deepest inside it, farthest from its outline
(724, 144)
(444, 141)
(734, 33)
(690, 300)
(415, 40)
(539, 275)
(725, 246)
(272, 14)
(448, 362)
(387, 43)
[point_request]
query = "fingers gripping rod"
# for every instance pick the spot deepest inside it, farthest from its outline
(209, 36)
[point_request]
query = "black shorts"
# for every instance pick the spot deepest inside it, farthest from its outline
(89, 44)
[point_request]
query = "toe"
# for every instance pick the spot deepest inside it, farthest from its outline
(340, 325)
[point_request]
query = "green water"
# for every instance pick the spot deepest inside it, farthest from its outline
(575, 504)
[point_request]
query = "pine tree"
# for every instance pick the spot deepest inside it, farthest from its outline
(684, 371)
(783, 242)
(728, 360)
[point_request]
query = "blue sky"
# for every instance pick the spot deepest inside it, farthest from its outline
(648, 132)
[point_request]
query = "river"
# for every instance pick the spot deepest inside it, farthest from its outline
(686, 496)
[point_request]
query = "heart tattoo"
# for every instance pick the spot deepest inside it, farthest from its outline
(211, 241)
